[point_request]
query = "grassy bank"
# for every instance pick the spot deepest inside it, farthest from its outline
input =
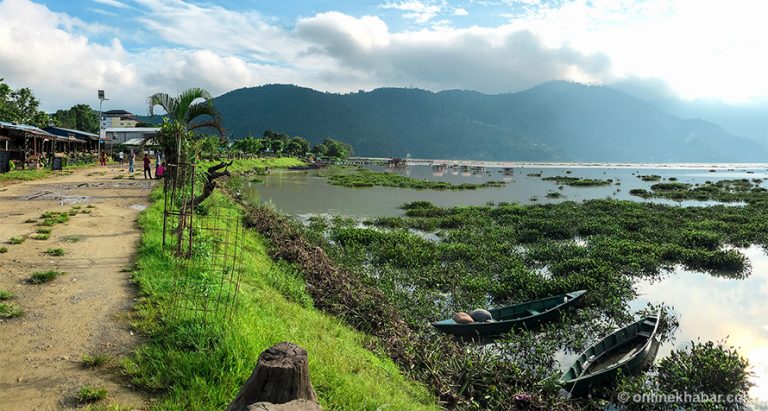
(249, 165)
(30, 175)
(367, 178)
(202, 367)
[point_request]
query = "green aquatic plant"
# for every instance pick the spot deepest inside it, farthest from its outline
(578, 181)
(367, 178)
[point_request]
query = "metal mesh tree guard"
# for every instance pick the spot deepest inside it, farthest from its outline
(209, 243)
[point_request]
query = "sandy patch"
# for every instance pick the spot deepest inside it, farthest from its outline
(81, 312)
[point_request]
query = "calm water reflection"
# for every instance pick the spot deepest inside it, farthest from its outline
(713, 308)
(710, 308)
(306, 193)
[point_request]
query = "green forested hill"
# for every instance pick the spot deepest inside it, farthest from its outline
(553, 121)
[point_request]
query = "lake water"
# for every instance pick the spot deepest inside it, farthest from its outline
(305, 193)
(710, 308)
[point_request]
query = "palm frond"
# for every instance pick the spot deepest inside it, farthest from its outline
(187, 99)
(165, 101)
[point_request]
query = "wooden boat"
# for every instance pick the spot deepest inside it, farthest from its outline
(527, 315)
(629, 349)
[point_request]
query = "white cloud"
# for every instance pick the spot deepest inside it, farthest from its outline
(416, 10)
(460, 12)
(701, 49)
(637, 45)
(113, 3)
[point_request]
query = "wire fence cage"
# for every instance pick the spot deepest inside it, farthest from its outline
(209, 244)
(179, 210)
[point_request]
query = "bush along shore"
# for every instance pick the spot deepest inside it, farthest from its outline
(376, 279)
(724, 191)
(366, 178)
(201, 366)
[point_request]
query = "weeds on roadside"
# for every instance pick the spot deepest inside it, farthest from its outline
(44, 276)
(93, 361)
(5, 295)
(40, 236)
(16, 240)
(88, 394)
(10, 310)
(55, 252)
(71, 239)
(3, 250)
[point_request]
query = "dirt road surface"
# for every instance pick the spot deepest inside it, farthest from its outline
(85, 310)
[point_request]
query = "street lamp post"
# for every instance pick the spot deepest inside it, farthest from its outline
(101, 101)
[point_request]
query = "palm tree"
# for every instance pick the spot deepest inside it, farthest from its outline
(183, 118)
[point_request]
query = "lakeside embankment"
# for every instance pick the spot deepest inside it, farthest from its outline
(202, 367)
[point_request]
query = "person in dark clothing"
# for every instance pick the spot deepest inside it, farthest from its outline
(147, 169)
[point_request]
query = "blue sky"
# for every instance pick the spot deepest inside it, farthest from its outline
(689, 49)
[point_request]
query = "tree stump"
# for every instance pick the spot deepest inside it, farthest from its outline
(281, 375)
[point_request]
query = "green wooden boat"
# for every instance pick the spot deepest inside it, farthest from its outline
(629, 349)
(527, 315)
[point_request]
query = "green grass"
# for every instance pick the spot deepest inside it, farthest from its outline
(93, 361)
(578, 181)
(43, 230)
(40, 277)
(367, 178)
(5, 295)
(3, 250)
(40, 236)
(24, 175)
(71, 239)
(247, 165)
(52, 218)
(16, 240)
(10, 310)
(55, 252)
(88, 394)
(202, 367)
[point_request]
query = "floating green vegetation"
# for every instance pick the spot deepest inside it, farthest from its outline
(534, 174)
(367, 178)
(578, 181)
(10, 310)
(16, 240)
(726, 191)
(44, 276)
(55, 252)
(95, 360)
(554, 194)
(710, 369)
(5, 295)
(494, 256)
(650, 177)
(88, 394)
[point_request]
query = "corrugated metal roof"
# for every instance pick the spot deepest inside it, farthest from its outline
(143, 130)
(84, 133)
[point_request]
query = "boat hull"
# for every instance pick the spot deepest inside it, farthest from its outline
(550, 310)
(580, 379)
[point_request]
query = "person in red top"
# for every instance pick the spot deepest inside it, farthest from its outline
(147, 170)
(160, 172)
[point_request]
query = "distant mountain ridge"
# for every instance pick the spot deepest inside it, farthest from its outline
(555, 121)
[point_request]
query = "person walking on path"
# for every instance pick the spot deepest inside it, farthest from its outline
(121, 157)
(131, 157)
(147, 169)
(104, 158)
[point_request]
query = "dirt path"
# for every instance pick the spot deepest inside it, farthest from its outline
(81, 312)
